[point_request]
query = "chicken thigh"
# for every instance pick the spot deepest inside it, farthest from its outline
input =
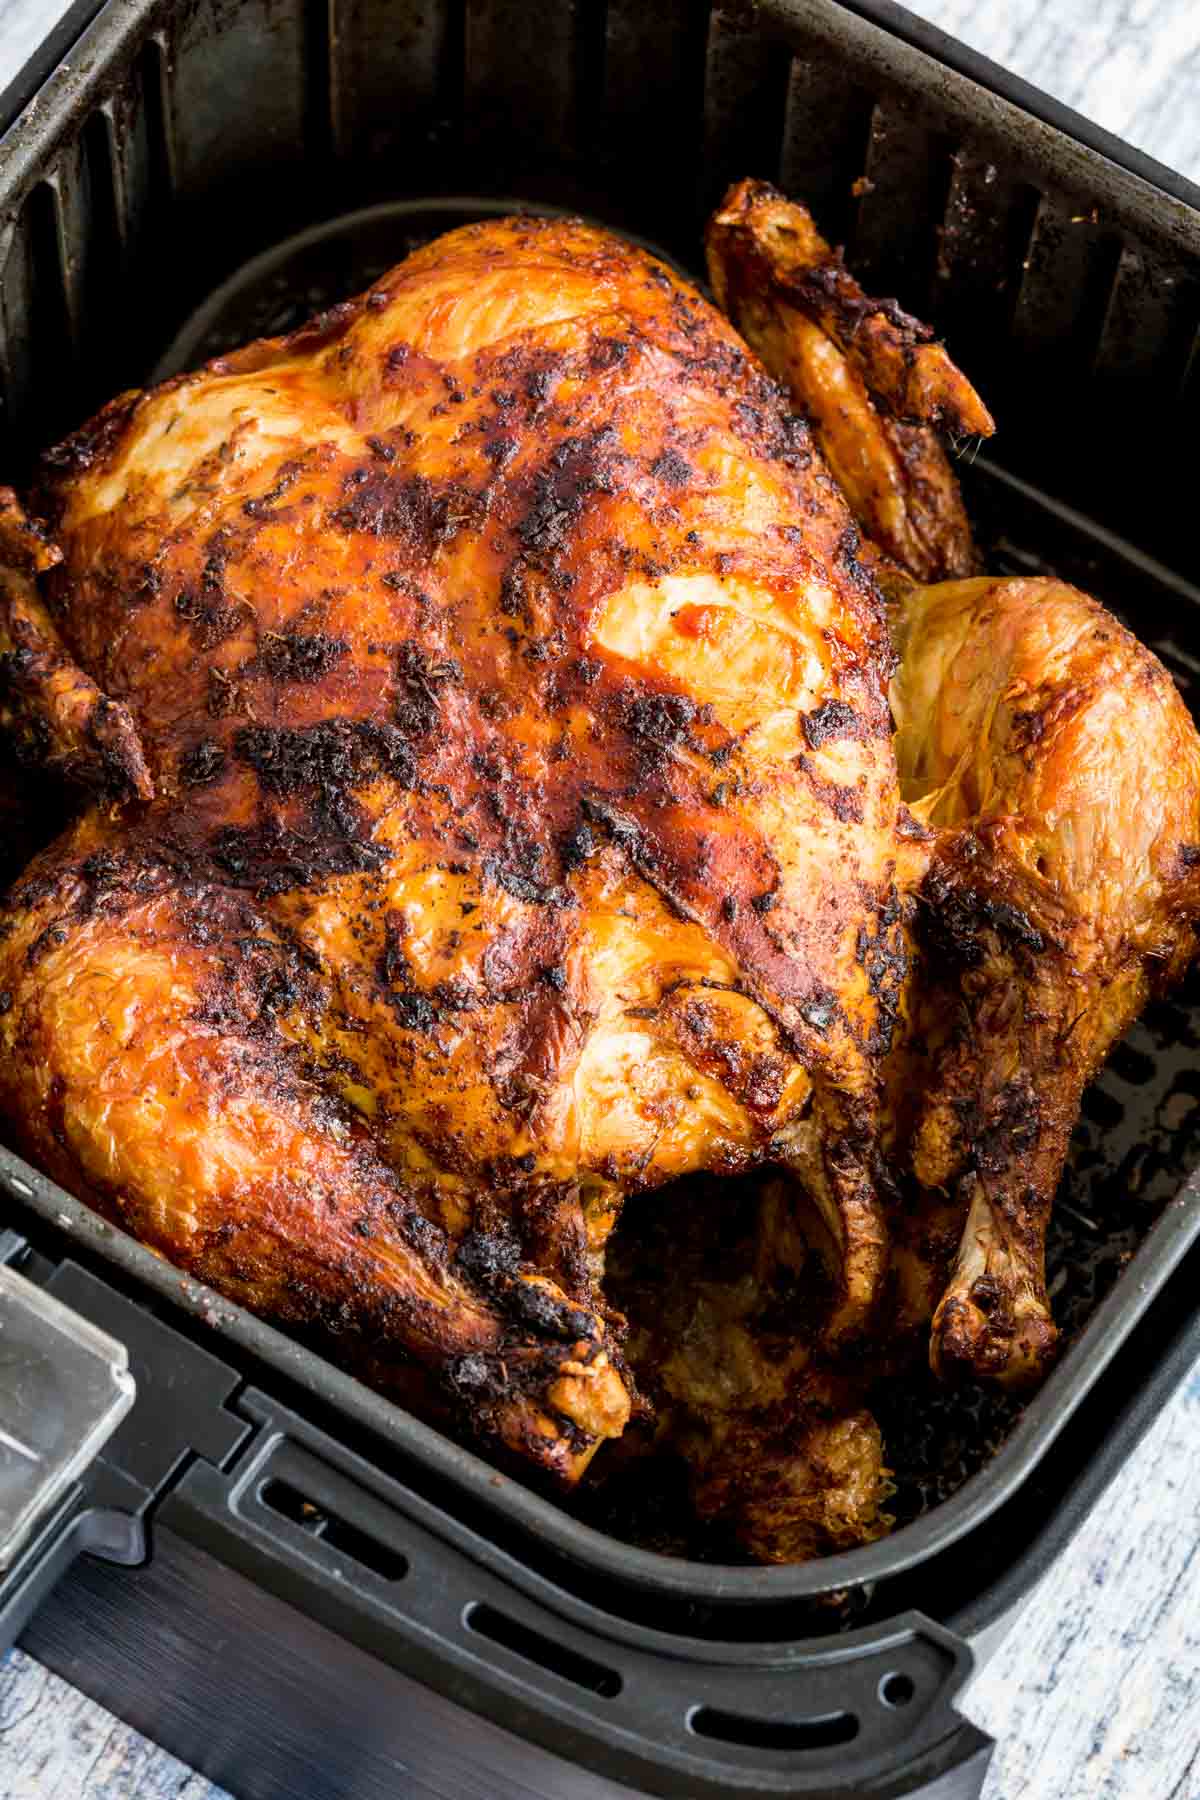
(1061, 768)
(495, 813)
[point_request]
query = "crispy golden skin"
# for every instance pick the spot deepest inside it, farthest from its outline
(871, 380)
(523, 826)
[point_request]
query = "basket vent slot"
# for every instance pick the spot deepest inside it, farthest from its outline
(817, 1733)
(1149, 330)
(901, 205)
(323, 125)
(106, 226)
(745, 102)
(524, 1642)
(522, 76)
(984, 242)
(41, 346)
(652, 115)
(318, 1522)
(1067, 276)
(827, 124)
(160, 139)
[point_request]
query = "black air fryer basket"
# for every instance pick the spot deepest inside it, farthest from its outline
(274, 1572)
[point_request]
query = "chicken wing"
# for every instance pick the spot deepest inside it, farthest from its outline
(874, 384)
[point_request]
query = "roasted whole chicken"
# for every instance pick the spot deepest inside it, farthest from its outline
(526, 765)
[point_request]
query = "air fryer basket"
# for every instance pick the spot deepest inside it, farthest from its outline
(182, 137)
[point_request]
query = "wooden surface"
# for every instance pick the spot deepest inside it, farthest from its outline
(1096, 1695)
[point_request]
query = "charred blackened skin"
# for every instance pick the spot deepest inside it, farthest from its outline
(1011, 1130)
(578, 468)
(419, 677)
(100, 868)
(835, 719)
(209, 617)
(578, 847)
(830, 282)
(414, 1011)
(522, 886)
(273, 859)
(92, 442)
(50, 939)
(332, 756)
(845, 803)
(203, 763)
(955, 919)
(287, 477)
(883, 955)
(421, 1234)
(394, 967)
(409, 507)
(301, 657)
(625, 833)
(107, 733)
(671, 469)
(661, 719)
(547, 1314)
(781, 435)
(608, 353)
(491, 1260)
(220, 549)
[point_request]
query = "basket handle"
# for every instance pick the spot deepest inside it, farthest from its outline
(869, 1712)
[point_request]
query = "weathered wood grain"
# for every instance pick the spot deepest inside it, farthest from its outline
(1095, 1695)
(1132, 65)
(56, 1745)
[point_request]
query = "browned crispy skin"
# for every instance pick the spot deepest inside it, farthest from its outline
(524, 827)
(875, 386)
(1057, 758)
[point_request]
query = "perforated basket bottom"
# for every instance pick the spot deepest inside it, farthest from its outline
(1139, 1133)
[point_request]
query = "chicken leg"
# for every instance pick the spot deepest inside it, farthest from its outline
(160, 1039)
(1055, 757)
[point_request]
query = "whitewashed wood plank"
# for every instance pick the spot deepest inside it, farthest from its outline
(57, 1745)
(1132, 65)
(1096, 1693)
